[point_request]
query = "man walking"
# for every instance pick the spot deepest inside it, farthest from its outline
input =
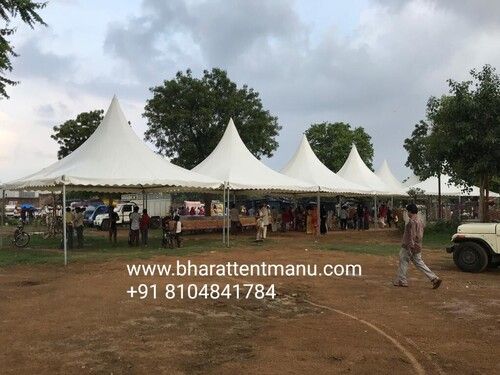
(411, 250)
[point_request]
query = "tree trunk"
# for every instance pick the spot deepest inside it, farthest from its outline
(486, 198)
(481, 199)
(440, 208)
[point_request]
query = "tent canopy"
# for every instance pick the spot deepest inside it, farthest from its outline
(355, 170)
(233, 163)
(306, 166)
(430, 187)
(113, 158)
(385, 174)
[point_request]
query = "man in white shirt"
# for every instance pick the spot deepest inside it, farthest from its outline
(135, 219)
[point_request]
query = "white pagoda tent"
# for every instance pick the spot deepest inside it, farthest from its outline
(355, 170)
(112, 159)
(385, 174)
(306, 166)
(232, 163)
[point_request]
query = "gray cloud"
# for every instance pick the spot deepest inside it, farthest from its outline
(379, 76)
(33, 62)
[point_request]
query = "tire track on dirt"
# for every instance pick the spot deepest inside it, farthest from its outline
(417, 366)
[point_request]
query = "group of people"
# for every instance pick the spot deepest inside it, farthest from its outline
(139, 225)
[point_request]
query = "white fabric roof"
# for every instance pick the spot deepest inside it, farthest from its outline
(355, 170)
(430, 187)
(232, 162)
(387, 177)
(113, 158)
(306, 166)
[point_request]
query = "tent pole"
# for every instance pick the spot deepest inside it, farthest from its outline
(228, 220)
(375, 213)
(224, 215)
(318, 215)
(2, 218)
(65, 239)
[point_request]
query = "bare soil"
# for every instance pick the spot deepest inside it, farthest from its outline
(80, 320)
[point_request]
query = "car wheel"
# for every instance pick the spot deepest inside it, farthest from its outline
(105, 225)
(470, 257)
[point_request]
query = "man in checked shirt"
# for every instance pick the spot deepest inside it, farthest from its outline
(411, 250)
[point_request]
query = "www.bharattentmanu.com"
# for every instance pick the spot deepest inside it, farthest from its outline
(235, 269)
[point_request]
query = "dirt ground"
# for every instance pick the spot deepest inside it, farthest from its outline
(80, 320)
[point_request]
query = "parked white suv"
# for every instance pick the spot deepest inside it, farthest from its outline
(123, 210)
(476, 246)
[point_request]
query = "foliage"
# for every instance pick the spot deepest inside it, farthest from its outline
(27, 10)
(415, 194)
(331, 142)
(442, 226)
(467, 127)
(72, 133)
(425, 156)
(187, 116)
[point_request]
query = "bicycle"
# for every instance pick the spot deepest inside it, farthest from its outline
(20, 237)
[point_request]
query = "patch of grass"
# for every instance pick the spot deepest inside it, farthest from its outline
(437, 240)
(98, 249)
(375, 249)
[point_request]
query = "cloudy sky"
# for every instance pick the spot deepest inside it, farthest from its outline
(372, 63)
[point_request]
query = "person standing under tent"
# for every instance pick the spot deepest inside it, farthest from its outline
(69, 227)
(135, 219)
(389, 217)
(144, 223)
(113, 218)
(178, 230)
(323, 217)
(259, 223)
(411, 250)
(343, 218)
(382, 214)
(360, 215)
(266, 213)
(78, 225)
(234, 215)
(366, 218)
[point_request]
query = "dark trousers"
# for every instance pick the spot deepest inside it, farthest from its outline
(178, 239)
(112, 233)
(144, 236)
(343, 224)
(79, 236)
(69, 235)
(134, 237)
(236, 227)
(360, 223)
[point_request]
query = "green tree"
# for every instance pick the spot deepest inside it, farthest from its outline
(425, 155)
(9, 9)
(466, 124)
(187, 116)
(331, 142)
(72, 133)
